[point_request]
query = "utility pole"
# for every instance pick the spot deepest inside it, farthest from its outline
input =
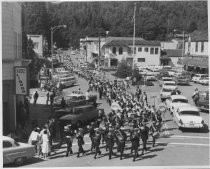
(99, 50)
(134, 33)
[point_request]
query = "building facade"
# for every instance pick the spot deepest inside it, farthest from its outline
(38, 43)
(11, 57)
(146, 53)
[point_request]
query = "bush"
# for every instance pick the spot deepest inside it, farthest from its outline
(123, 70)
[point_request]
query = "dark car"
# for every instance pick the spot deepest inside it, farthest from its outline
(203, 102)
(78, 116)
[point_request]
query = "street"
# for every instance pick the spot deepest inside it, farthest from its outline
(173, 148)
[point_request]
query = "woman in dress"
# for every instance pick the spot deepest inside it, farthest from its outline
(45, 144)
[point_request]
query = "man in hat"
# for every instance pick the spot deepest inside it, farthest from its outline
(91, 135)
(69, 133)
(144, 130)
(80, 141)
(135, 138)
(97, 140)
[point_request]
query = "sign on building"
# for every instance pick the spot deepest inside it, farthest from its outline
(21, 80)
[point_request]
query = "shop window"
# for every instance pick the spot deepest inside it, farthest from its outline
(151, 50)
(141, 59)
(120, 51)
(196, 46)
(156, 50)
(114, 50)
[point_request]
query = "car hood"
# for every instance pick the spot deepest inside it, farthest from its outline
(26, 145)
(166, 93)
(188, 119)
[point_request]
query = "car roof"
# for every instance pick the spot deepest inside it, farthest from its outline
(188, 108)
(178, 97)
(83, 106)
(169, 82)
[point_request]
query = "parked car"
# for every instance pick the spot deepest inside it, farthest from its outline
(164, 79)
(77, 116)
(166, 92)
(150, 77)
(182, 80)
(146, 83)
(175, 99)
(204, 81)
(16, 152)
(169, 84)
(188, 117)
(203, 102)
(197, 77)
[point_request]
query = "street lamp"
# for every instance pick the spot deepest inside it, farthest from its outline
(52, 29)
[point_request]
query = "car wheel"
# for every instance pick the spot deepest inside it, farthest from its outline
(19, 161)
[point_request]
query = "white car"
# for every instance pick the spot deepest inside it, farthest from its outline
(16, 152)
(164, 79)
(166, 92)
(174, 99)
(197, 77)
(204, 81)
(169, 84)
(188, 117)
(150, 77)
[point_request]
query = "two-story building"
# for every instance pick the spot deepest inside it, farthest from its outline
(11, 58)
(196, 52)
(38, 43)
(146, 53)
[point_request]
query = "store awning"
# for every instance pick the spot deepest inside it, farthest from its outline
(197, 62)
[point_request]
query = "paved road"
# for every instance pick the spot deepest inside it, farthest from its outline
(174, 147)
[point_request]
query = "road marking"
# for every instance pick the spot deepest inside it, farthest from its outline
(166, 132)
(180, 136)
(189, 144)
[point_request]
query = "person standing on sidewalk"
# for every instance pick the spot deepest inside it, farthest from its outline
(36, 96)
(48, 98)
(45, 144)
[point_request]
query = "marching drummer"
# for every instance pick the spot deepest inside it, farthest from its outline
(69, 133)
(135, 138)
(144, 136)
(80, 141)
(154, 132)
(91, 135)
(97, 140)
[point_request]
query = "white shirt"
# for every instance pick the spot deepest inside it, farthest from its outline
(87, 95)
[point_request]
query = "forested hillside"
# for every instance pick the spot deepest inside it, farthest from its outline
(154, 20)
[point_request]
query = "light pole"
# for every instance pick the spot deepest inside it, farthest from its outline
(86, 38)
(52, 29)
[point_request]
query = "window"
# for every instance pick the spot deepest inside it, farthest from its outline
(120, 51)
(134, 50)
(139, 49)
(114, 50)
(7, 144)
(141, 59)
(156, 50)
(16, 45)
(146, 49)
(202, 46)
(36, 44)
(151, 50)
(196, 46)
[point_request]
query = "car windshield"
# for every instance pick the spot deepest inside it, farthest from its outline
(168, 79)
(191, 113)
(180, 100)
(167, 90)
(170, 84)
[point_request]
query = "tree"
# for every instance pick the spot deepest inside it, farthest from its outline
(123, 70)
(192, 27)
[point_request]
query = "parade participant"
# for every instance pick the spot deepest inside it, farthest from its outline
(45, 144)
(97, 140)
(144, 130)
(87, 96)
(91, 135)
(145, 98)
(48, 98)
(69, 133)
(121, 138)
(135, 138)
(110, 141)
(80, 141)
(33, 138)
(154, 132)
(195, 96)
(100, 90)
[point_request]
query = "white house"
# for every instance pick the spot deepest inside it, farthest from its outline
(146, 53)
(38, 43)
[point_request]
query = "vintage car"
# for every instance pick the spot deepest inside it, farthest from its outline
(175, 99)
(169, 84)
(203, 102)
(79, 115)
(197, 77)
(188, 117)
(204, 81)
(75, 99)
(166, 92)
(16, 152)
(164, 79)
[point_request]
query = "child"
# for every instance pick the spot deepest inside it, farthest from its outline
(45, 144)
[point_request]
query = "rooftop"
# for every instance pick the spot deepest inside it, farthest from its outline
(199, 35)
(173, 52)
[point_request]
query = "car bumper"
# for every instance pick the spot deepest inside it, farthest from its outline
(188, 125)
